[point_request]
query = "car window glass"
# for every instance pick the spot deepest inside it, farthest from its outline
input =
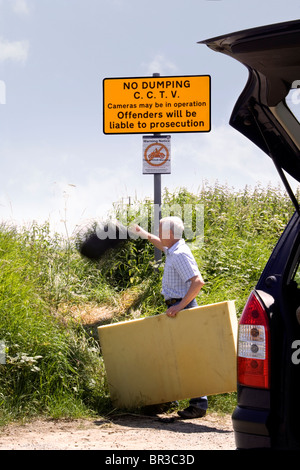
(293, 100)
(297, 276)
(294, 276)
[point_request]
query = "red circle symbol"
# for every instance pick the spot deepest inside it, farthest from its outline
(156, 154)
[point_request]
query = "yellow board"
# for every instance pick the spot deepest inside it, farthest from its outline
(159, 359)
(146, 105)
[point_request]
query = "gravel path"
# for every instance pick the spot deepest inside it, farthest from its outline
(123, 432)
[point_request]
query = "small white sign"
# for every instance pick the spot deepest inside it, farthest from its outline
(157, 154)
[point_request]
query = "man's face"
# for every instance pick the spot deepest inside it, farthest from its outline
(166, 235)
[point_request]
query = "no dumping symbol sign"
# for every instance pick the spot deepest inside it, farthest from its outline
(156, 155)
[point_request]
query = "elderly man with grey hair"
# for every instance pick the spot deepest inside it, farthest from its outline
(181, 282)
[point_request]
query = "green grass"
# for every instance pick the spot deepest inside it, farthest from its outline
(50, 368)
(53, 364)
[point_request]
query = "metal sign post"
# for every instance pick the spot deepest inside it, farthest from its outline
(157, 210)
(157, 201)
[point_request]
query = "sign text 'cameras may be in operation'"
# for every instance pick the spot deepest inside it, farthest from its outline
(157, 104)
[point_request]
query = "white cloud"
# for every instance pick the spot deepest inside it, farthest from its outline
(159, 64)
(20, 7)
(224, 155)
(17, 51)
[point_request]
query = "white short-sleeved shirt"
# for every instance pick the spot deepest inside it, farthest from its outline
(180, 267)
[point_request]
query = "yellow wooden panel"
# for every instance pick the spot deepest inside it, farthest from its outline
(160, 359)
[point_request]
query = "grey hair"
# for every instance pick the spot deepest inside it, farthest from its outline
(174, 224)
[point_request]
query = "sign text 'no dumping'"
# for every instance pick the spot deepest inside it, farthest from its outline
(156, 104)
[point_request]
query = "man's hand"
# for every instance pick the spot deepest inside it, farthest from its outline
(135, 230)
(173, 310)
(140, 232)
(196, 284)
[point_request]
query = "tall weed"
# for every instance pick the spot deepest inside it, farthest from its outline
(46, 363)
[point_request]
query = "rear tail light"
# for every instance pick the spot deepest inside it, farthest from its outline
(253, 366)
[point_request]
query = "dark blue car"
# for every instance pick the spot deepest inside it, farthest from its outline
(268, 364)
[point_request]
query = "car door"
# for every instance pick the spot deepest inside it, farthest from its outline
(263, 114)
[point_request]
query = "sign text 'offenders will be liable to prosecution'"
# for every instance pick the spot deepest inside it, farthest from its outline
(156, 104)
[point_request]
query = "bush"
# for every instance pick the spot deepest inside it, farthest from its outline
(47, 364)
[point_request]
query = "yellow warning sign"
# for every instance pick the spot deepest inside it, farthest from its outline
(156, 104)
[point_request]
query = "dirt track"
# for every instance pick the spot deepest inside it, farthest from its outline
(125, 432)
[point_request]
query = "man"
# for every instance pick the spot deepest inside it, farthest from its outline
(181, 283)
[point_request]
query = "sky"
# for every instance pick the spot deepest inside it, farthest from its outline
(57, 165)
